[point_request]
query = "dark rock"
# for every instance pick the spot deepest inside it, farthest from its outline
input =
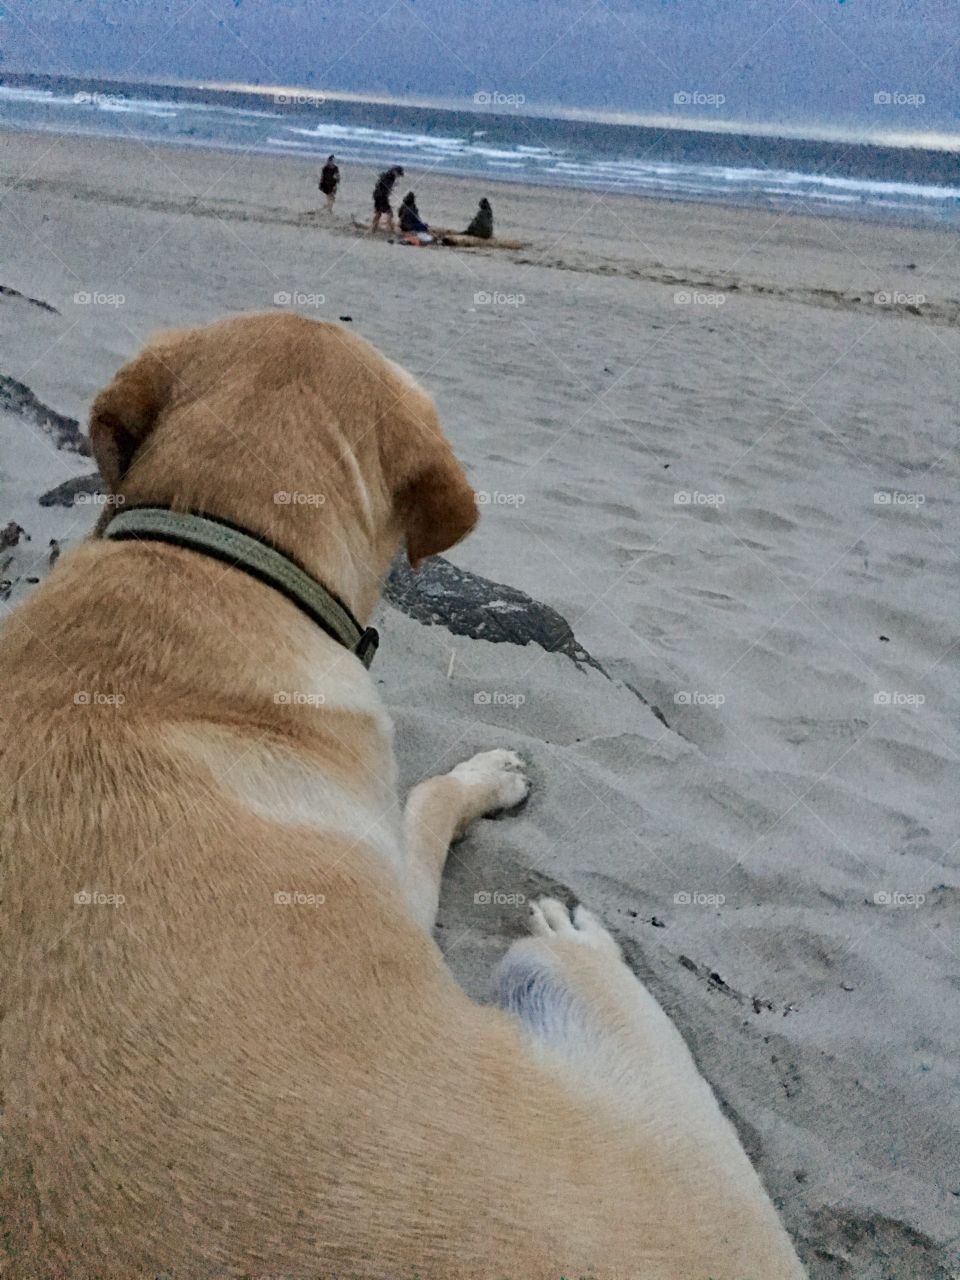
(65, 495)
(442, 594)
(16, 397)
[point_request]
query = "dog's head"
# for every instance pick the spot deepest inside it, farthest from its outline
(295, 429)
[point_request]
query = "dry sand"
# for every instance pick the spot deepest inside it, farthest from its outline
(796, 630)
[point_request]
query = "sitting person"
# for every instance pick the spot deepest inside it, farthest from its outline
(482, 224)
(412, 227)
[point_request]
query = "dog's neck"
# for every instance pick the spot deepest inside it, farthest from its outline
(344, 538)
(204, 534)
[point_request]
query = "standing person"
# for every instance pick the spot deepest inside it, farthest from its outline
(330, 181)
(381, 198)
(482, 224)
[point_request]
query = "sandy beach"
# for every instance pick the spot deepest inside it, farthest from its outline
(723, 445)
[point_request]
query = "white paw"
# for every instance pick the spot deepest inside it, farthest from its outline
(501, 772)
(549, 918)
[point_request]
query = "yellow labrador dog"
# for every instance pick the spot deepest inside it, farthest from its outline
(230, 1045)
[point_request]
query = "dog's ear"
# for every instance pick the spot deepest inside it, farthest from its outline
(125, 412)
(433, 501)
(437, 505)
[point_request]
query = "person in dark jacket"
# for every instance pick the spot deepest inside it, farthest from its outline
(482, 224)
(412, 226)
(330, 181)
(381, 198)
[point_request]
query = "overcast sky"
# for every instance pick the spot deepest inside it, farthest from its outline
(797, 61)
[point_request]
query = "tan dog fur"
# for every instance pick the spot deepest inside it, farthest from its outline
(205, 1082)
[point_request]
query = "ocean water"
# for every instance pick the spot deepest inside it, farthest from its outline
(916, 184)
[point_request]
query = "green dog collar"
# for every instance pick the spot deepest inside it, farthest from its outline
(232, 545)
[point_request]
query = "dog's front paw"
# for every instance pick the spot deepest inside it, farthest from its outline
(500, 773)
(550, 919)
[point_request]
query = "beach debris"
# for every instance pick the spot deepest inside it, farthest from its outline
(11, 534)
(16, 397)
(759, 1004)
(54, 553)
(7, 292)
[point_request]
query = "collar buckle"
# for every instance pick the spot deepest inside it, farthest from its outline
(367, 645)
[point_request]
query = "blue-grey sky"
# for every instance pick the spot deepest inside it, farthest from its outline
(794, 61)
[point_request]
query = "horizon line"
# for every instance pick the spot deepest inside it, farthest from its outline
(899, 139)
